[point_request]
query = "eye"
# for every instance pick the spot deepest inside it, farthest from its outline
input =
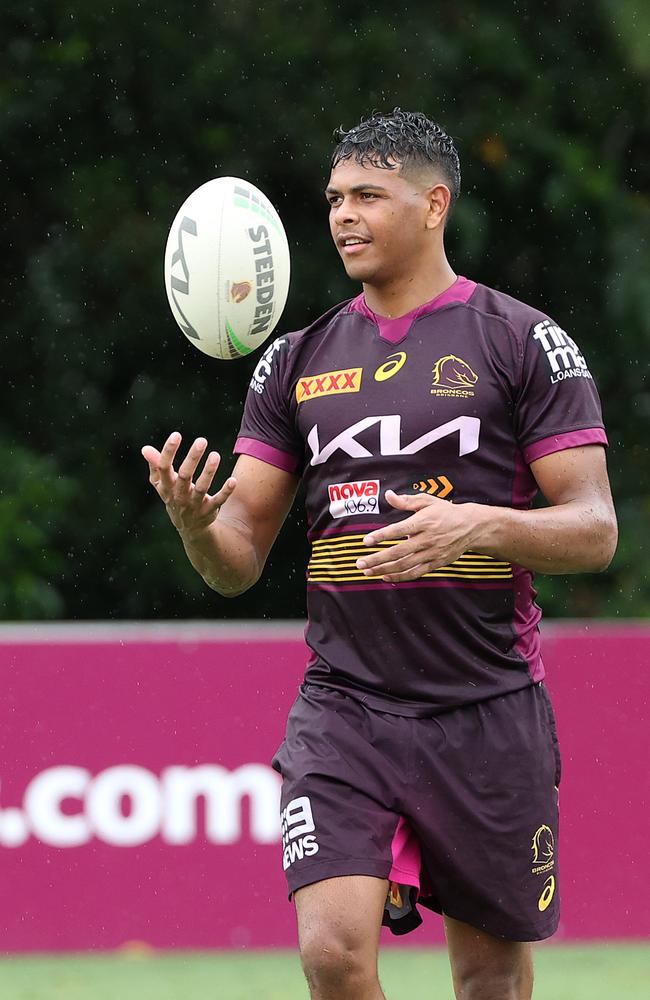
(368, 195)
(334, 199)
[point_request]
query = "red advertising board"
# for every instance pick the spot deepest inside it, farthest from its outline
(137, 802)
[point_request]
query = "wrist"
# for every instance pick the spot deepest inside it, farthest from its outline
(197, 539)
(485, 530)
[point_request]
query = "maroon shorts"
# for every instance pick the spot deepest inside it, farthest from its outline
(459, 811)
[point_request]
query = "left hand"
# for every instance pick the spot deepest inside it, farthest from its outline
(435, 535)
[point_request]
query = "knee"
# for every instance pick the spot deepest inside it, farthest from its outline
(337, 965)
(513, 983)
(493, 985)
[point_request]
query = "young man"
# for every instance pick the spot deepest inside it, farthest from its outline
(420, 761)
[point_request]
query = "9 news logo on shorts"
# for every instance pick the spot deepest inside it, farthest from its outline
(128, 806)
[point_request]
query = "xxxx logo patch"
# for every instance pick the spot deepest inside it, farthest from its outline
(328, 384)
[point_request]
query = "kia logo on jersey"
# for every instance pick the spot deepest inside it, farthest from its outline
(390, 438)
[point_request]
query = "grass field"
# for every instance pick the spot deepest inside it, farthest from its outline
(598, 972)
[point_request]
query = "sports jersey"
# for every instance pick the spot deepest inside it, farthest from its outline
(455, 399)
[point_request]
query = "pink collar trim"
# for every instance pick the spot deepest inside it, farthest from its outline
(394, 330)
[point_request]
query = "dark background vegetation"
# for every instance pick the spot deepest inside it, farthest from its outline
(111, 113)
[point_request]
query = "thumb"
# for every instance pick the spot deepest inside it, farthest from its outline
(405, 501)
(150, 454)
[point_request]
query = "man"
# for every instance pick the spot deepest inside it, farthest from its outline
(420, 761)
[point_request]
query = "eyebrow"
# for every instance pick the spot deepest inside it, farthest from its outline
(356, 188)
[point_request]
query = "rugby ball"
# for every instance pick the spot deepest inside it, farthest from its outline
(227, 268)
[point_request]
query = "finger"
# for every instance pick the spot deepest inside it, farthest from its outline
(408, 501)
(391, 533)
(415, 573)
(188, 466)
(219, 499)
(151, 455)
(169, 449)
(204, 481)
(390, 565)
(389, 554)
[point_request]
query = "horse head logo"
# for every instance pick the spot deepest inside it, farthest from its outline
(452, 372)
(543, 846)
(239, 290)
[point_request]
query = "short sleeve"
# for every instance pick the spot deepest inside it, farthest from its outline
(267, 431)
(557, 405)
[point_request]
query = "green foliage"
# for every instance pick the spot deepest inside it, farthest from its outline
(110, 114)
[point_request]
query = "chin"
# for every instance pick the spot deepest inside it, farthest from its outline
(358, 271)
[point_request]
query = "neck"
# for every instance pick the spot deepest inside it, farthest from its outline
(398, 297)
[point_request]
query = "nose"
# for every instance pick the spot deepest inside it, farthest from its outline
(345, 213)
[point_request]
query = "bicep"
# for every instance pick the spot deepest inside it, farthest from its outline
(258, 506)
(574, 474)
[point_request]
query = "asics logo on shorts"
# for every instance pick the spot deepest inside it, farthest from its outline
(298, 840)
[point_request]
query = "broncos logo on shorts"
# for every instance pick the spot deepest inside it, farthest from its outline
(543, 846)
(451, 372)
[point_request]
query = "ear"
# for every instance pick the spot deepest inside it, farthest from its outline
(439, 197)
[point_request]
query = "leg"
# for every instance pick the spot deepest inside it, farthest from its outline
(338, 931)
(488, 968)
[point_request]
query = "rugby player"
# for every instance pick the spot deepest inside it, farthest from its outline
(420, 763)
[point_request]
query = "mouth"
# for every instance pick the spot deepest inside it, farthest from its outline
(351, 243)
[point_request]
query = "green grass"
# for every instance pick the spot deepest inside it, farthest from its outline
(599, 972)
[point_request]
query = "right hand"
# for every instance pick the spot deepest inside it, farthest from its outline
(189, 506)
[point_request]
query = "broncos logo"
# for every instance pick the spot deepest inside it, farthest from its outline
(543, 846)
(239, 290)
(451, 372)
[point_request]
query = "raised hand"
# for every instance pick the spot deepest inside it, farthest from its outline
(190, 507)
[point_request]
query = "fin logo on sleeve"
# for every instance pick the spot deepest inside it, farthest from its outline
(562, 353)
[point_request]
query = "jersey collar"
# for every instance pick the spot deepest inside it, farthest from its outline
(394, 330)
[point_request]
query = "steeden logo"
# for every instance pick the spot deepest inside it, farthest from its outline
(329, 384)
(453, 377)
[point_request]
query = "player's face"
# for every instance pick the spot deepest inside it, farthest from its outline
(379, 221)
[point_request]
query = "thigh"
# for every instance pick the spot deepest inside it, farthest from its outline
(490, 966)
(338, 811)
(487, 815)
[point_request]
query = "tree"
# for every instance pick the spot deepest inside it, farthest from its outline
(112, 114)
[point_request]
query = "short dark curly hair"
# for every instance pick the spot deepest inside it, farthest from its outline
(407, 139)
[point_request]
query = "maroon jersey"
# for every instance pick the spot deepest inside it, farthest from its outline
(456, 399)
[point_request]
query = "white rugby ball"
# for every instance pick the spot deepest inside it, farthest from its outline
(227, 268)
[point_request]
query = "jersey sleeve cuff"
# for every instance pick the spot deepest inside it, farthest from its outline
(559, 442)
(266, 453)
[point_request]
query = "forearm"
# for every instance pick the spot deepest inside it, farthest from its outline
(225, 557)
(573, 537)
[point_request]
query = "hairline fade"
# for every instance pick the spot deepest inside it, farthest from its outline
(405, 140)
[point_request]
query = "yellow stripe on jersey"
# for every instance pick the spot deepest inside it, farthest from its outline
(333, 560)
